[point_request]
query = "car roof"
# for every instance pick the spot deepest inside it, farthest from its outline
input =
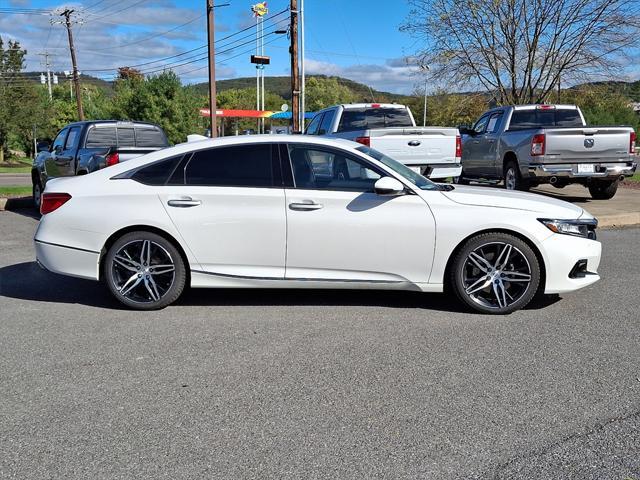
(196, 145)
(109, 122)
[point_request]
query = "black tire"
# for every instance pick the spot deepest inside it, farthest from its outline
(479, 289)
(147, 290)
(513, 178)
(603, 189)
(36, 193)
(460, 180)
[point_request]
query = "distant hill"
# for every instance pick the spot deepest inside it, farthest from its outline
(282, 87)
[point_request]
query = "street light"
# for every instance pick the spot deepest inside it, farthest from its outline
(425, 68)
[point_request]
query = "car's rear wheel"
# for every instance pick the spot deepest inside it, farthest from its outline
(37, 193)
(513, 178)
(495, 273)
(144, 271)
(603, 189)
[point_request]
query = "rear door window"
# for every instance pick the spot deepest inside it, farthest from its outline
(236, 166)
(313, 127)
(327, 121)
(72, 138)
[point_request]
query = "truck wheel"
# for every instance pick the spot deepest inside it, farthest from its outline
(513, 179)
(603, 189)
(37, 193)
(460, 180)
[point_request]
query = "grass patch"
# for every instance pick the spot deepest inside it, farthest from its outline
(15, 191)
(635, 178)
(22, 165)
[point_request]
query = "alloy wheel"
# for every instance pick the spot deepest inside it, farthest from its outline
(496, 275)
(143, 271)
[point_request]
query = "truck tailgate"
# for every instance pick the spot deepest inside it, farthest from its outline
(587, 144)
(416, 146)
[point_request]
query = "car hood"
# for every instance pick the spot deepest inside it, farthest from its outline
(493, 197)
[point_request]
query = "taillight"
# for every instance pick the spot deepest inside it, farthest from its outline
(537, 145)
(546, 107)
(458, 147)
(53, 201)
(364, 141)
(632, 142)
(375, 105)
(112, 159)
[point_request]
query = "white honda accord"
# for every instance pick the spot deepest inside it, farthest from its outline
(302, 212)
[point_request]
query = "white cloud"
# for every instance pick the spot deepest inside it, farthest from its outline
(394, 75)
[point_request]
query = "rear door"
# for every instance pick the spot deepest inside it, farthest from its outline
(339, 229)
(228, 204)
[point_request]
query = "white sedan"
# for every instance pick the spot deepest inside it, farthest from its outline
(303, 212)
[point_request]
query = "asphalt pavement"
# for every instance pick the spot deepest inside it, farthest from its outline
(316, 384)
(22, 179)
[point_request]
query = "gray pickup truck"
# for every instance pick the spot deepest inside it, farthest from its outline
(528, 145)
(84, 147)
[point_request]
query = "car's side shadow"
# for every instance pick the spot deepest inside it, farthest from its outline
(27, 281)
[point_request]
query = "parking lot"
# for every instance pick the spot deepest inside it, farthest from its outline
(270, 384)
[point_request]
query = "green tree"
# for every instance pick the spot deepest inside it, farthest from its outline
(12, 86)
(159, 99)
(324, 92)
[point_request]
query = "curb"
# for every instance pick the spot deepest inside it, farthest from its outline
(617, 221)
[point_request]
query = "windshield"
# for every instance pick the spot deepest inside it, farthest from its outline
(418, 180)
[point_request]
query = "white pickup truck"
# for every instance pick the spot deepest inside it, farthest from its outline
(390, 128)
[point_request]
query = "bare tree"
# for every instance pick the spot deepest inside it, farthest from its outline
(521, 50)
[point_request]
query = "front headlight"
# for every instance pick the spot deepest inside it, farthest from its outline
(580, 228)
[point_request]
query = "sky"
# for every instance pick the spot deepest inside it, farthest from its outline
(359, 39)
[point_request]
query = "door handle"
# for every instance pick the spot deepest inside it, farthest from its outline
(490, 140)
(185, 202)
(305, 206)
(476, 141)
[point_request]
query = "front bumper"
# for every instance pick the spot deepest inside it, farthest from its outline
(67, 260)
(561, 254)
(570, 170)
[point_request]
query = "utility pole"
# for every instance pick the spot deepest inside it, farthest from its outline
(303, 107)
(47, 65)
(295, 77)
(212, 69)
(76, 77)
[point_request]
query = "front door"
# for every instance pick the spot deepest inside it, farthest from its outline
(338, 228)
(228, 205)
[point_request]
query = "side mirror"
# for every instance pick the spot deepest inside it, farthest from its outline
(465, 130)
(42, 147)
(388, 186)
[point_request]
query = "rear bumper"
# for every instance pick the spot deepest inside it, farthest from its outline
(67, 260)
(444, 170)
(570, 170)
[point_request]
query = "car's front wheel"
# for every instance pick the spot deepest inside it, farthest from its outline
(495, 273)
(144, 271)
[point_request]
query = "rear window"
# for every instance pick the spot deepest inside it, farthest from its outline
(111, 136)
(362, 118)
(150, 137)
(523, 119)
